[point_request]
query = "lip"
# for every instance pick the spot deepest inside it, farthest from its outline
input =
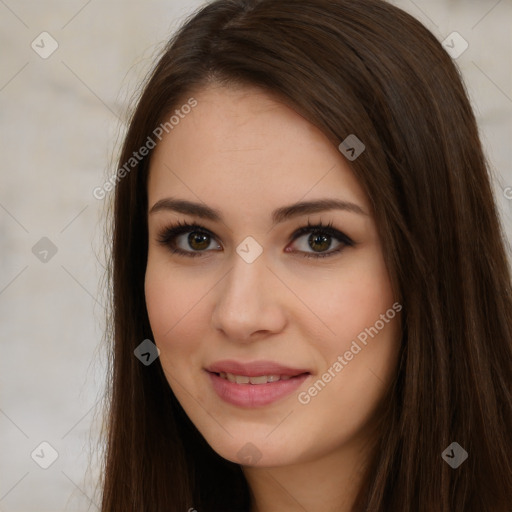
(254, 368)
(254, 395)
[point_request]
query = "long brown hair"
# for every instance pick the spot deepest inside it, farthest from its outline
(360, 67)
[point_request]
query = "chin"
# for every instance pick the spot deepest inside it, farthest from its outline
(255, 451)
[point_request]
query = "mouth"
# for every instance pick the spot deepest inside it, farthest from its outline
(254, 384)
(245, 379)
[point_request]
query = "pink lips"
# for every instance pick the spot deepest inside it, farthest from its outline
(254, 395)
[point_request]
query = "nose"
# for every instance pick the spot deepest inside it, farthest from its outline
(248, 305)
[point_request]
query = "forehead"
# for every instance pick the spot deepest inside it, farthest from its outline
(242, 147)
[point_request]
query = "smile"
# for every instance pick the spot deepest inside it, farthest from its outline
(259, 394)
(244, 379)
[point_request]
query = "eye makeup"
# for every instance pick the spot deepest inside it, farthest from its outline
(319, 233)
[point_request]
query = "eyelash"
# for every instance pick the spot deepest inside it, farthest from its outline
(168, 235)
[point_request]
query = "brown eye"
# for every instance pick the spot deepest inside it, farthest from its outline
(194, 240)
(320, 239)
(186, 239)
(198, 241)
(319, 243)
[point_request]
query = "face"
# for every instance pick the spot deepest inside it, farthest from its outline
(277, 337)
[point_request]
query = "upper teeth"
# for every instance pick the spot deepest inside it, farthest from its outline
(262, 379)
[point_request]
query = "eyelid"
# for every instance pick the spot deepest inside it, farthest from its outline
(320, 227)
(323, 228)
(170, 233)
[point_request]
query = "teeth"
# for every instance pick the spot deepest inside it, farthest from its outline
(243, 379)
(259, 380)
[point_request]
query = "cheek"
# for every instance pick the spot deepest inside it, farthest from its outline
(369, 368)
(364, 330)
(174, 310)
(351, 300)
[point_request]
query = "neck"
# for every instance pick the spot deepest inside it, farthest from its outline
(330, 483)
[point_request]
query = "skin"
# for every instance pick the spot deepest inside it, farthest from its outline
(245, 154)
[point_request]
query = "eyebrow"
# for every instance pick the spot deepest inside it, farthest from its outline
(278, 215)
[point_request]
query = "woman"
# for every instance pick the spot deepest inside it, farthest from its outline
(304, 227)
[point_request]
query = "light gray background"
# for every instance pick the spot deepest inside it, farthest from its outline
(61, 120)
